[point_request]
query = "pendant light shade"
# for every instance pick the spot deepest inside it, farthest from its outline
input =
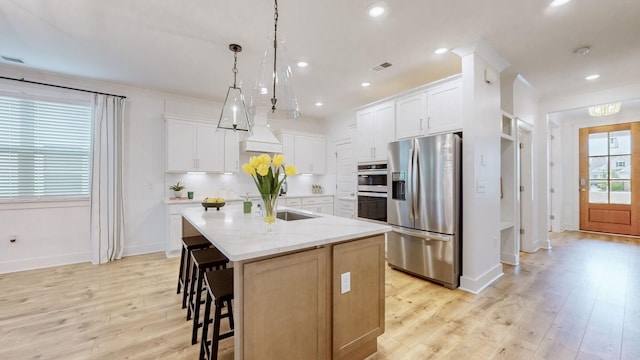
(234, 115)
(273, 91)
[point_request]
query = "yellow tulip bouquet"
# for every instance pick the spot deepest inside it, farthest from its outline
(266, 172)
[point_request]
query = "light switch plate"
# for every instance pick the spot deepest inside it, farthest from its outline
(345, 282)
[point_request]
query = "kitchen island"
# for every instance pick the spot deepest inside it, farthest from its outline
(312, 289)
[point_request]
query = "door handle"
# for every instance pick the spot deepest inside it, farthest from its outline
(583, 190)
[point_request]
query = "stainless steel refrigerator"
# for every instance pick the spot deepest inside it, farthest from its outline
(423, 207)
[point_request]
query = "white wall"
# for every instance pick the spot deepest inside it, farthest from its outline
(481, 169)
(54, 235)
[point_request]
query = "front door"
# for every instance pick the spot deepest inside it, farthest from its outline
(609, 179)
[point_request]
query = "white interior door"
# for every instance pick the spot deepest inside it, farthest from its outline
(346, 169)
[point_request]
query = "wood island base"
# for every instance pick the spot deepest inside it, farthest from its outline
(325, 302)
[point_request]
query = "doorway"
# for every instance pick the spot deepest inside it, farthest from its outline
(609, 179)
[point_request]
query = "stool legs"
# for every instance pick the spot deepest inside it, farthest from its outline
(187, 281)
(181, 271)
(204, 344)
(209, 348)
(196, 308)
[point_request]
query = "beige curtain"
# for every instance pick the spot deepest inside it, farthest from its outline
(107, 213)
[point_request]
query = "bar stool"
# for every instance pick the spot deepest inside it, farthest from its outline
(203, 261)
(189, 244)
(219, 286)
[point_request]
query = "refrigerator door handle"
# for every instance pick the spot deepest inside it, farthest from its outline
(425, 235)
(415, 179)
(410, 187)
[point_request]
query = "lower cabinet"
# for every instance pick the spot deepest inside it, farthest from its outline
(319, 204)
(174, 227)
(323, 318)
(346, 208)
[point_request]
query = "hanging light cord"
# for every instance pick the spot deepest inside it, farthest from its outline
(235, 67)
(275, 46)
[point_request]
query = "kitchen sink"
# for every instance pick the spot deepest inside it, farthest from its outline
(291, 216)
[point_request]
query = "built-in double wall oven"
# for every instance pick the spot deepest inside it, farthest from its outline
(372, 192)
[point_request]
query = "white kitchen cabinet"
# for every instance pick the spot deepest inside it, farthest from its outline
(231, 152)
(346, 208)
(444, 107)
(306, 151)
(375, 129)
(194, 146)
(174, 226)
(319, 204)
(295, 203)
(411, 115)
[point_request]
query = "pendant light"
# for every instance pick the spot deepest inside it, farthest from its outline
(273, 95)
(234, 115)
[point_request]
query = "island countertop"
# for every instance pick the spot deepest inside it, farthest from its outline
(242, 236)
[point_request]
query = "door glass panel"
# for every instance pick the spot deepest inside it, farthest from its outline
(620, 192)
(620, 142)
(599, 144)
(598, 167)
(598, 193)
(621, 167)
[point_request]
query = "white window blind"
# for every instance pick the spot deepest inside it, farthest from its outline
(45, 149)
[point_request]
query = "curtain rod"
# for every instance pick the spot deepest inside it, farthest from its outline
(60, 86)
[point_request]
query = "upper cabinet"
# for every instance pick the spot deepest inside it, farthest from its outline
(306, 151)
(444, 107)
(197, 146)
(375, 129)
(432, 110)
(231, 152)
(411, 115)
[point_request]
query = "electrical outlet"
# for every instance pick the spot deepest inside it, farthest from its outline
(345, 282)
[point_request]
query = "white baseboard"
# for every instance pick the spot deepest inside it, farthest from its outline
(144, 249)
(476, 285)
(511, 259)
(43, 262)
(172, 253)
(542, 244)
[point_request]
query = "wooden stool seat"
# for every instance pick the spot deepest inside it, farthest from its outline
(219, 286)
(189, 244)
(203, 260)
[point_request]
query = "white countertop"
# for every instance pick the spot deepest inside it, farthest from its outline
(243, 236)
(184, 200)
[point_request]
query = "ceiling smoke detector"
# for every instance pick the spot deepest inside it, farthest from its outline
(382, 66)
(582, 51)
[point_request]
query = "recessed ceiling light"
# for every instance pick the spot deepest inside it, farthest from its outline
(319, 104)
(365, 84)
(377, 9)
(556, 3)
(582, 51)
(592, 77)
(441, 51)
(302, 64)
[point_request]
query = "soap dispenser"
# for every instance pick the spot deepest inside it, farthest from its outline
(246, 205)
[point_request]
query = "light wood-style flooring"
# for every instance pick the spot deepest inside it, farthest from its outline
(580, 300)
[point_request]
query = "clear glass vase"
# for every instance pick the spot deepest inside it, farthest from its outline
(269, 210)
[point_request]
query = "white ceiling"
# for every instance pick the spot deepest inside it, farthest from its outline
(182, 46)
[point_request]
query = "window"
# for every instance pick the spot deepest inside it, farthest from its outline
(45, 149)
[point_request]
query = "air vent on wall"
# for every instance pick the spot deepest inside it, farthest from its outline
(382, 66)
(11, 59)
